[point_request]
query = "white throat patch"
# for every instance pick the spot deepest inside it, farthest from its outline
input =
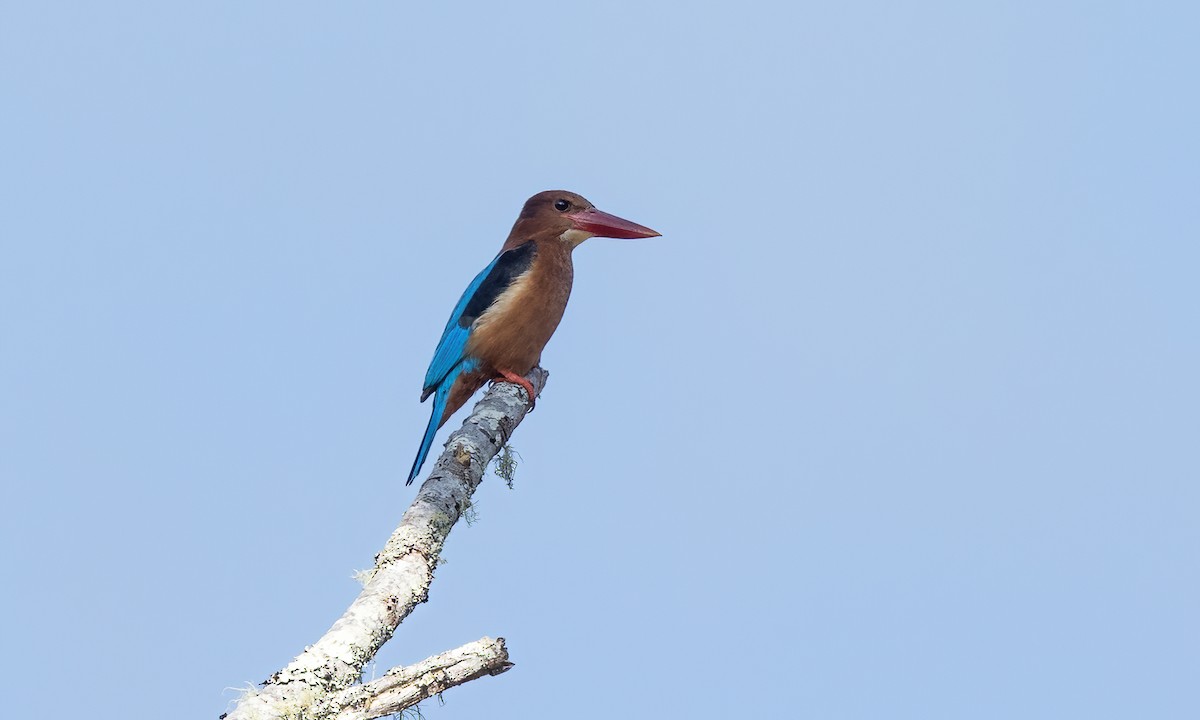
(574, 236)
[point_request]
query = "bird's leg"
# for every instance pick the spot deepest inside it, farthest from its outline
(512, 377)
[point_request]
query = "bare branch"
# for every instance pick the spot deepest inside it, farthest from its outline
(403, 687)
(403, 569)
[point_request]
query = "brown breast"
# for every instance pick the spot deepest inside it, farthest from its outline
(511, 334)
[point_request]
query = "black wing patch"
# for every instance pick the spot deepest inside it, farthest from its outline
(509, 266)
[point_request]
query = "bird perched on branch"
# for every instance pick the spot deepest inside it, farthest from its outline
(509, 311)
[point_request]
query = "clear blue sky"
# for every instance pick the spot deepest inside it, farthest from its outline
(900, 418)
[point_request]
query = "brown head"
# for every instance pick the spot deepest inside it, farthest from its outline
(566, 216)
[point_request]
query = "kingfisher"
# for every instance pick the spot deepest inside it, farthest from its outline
(509, 311)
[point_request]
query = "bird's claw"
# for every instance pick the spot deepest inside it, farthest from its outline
(506, 376)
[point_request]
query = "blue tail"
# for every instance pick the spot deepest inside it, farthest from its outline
(435, 419)
(439, 406)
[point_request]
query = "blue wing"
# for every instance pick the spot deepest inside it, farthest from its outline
(454, 338)
(488, 285)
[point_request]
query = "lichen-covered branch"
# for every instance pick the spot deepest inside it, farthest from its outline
(404, 687)
(403, 569)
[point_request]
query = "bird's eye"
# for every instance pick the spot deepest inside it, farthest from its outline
(561, 205)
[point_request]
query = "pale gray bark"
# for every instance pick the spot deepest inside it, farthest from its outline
(404, 687)
(320, 682)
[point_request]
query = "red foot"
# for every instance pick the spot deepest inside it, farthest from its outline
(517, 379)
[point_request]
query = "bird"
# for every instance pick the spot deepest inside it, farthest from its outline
(510, 310)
